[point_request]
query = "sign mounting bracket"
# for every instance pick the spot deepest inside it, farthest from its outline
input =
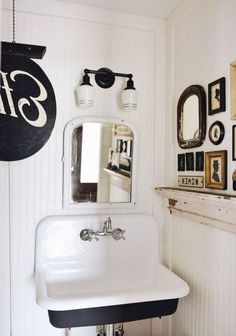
(21, 49)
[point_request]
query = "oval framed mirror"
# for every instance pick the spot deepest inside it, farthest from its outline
(191, 117)
(99, 163)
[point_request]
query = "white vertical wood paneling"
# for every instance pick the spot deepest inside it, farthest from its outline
(5, 312)
(205, 257)
(75, 41)
(200, 48)
(4, 251)
(138, 328)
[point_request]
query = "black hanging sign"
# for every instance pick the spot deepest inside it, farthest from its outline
(27, 107)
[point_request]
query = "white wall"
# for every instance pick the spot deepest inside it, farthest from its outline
(200, 47)
(4, 243)
(76, 37)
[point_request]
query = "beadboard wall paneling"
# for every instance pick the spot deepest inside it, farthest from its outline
(205, 257)
(201, 52)
(5, 312)
(4, 250)
(75, 42)
(200, 48)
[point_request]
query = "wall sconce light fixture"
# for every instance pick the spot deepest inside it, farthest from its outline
(105, 78)
(85, 93)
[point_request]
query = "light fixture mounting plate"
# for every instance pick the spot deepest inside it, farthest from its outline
(105, 78)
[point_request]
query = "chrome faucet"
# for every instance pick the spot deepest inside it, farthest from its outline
(117, 234)
(107, 226)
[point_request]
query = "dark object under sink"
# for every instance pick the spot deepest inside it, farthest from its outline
(112, 314)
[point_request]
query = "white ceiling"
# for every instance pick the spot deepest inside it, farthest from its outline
(157, 8)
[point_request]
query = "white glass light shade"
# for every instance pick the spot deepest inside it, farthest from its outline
(129, 99)
(85, 94)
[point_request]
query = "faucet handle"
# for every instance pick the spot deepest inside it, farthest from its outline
(118, 234)
(85, 235)
(88, 235)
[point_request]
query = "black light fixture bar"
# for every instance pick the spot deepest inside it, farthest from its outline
(29, 50)
(105, 77)
(104, 72)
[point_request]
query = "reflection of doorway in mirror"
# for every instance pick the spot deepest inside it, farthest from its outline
(215, 96)
(216, 168)
(102, 185)
(90, 155)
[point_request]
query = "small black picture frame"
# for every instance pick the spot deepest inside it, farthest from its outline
(234, 142)
(216, 96)
(124, 146)
(199, 161)
(216, 132)
(181, 162)
(189, 161)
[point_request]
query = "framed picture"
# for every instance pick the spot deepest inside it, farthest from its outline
(191, 181)
(216, 96)
(199, 161)
(189, 161)
(234, 143)
(129, 148)
(124, 146)
(216, 170)
(110, 156)
(119, 146)
(181, 162)
(122, 130)
(234, 179)
(216, 132)
(233, 89)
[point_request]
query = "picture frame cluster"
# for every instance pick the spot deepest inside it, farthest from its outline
(213, 164)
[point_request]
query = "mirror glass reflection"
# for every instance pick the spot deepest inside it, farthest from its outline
(190, 118)
(101, 163)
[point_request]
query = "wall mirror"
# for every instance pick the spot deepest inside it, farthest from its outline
(191, 117)
(99, 160)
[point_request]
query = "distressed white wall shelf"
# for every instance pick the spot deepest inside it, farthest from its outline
(217, 210)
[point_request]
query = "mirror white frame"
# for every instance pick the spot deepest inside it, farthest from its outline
(68, 203)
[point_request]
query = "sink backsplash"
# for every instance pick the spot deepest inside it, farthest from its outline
(58, 241)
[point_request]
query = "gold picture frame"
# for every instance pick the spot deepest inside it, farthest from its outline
(233, 89)
(216, 170)
(234, 142)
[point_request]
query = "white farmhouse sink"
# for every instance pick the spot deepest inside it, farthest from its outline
(115, 281)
